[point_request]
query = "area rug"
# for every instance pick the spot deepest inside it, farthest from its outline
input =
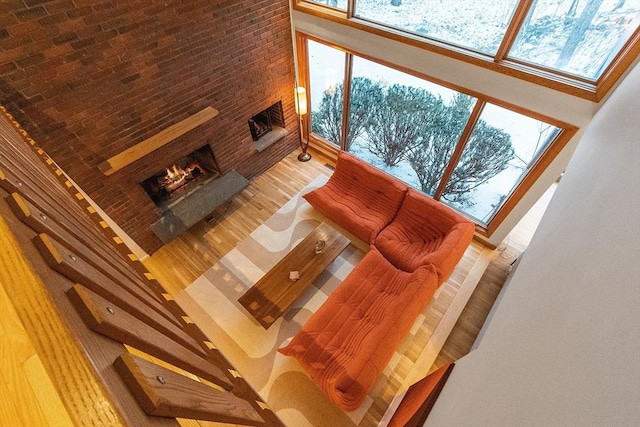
(212, 302)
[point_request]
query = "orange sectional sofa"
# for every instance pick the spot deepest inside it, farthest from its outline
(416, 243)
(352, 336)
(358, 197)
(424, 231)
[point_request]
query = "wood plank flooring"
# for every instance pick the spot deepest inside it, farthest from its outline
(177, 264)
(27, 394)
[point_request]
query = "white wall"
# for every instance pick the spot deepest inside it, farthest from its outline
(562, 347)
(531, 97)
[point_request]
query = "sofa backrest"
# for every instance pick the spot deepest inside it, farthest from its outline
(425, 231)
(380, 191)
(430, 213)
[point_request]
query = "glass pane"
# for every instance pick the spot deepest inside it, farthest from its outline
(326, 73)
(577, 37)
(475, 24)
(338, 4)
(500, 151)
(404, 125)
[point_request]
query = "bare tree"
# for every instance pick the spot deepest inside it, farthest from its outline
(486, 154)
(619, 4)
(578, 32)
(396, 124)
(572, 9)
(543, 129)
(327, 120)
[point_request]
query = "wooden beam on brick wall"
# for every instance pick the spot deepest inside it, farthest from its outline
(158, 140)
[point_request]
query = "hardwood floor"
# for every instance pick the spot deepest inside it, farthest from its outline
(177, 264)
(26, 391)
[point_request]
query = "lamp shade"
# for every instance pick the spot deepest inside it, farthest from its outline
(301, 100)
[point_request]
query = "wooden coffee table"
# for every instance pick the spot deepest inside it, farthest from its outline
(276, 291)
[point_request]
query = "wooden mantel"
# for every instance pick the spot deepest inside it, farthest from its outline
(163, 137)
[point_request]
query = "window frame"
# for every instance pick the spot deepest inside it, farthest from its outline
(580, 87)
(536, 168)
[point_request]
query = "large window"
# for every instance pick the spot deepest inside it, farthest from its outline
(467, 152)
(478, 25)
(326, 77)
(406, 126)
(499, 152)
(582, 45)
(576, 37)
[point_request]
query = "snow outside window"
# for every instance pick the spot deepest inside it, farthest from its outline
(576, 37)
(338, 4)
(326, 78)
(476, 25)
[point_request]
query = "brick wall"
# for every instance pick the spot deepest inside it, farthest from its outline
(90, 78)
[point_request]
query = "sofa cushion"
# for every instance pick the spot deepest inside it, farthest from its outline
(350, 339)
(358, 197)
(423, 232)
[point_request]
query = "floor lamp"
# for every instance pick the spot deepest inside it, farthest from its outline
(301, 110)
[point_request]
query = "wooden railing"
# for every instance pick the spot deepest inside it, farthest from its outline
(91, 290)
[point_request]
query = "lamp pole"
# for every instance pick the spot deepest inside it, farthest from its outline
(301, 110)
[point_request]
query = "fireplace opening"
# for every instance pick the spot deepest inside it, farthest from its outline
(267, 127)
(182, 177)
(260, 124)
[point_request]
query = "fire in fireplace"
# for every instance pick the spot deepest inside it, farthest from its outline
(175, 176)
(182, 177)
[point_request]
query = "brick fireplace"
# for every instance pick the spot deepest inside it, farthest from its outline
(180, 177)
(89, 80)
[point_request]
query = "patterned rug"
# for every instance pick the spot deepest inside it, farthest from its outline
(212, 302)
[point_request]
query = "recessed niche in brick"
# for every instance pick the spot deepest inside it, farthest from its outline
(267, 127)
